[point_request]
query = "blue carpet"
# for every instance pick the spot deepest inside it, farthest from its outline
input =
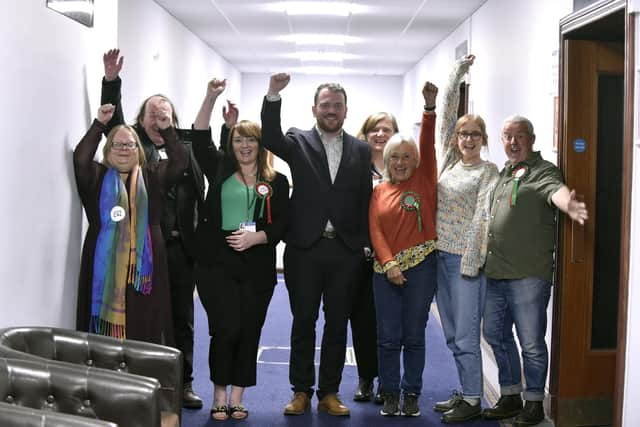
(266, 400)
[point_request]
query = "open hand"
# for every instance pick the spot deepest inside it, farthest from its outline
(112, 64)
(241, 240)
(230, 114)
(576, 209)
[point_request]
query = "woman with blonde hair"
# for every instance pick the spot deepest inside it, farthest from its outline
(123, 287)
(464, 191)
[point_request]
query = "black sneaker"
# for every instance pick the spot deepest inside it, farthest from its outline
(391, 405)
(410, 406)
(507, 406)
(462, 411)
(532, 414)
(445, 405)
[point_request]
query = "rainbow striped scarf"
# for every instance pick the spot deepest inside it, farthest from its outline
(123, 253)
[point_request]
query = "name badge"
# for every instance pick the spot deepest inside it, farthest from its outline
(163, 154)
(249, 226)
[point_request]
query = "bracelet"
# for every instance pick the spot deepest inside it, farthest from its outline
(430, 109)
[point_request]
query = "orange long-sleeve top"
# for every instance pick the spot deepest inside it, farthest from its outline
(394, 229)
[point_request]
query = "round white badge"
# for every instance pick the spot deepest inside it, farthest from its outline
(262, 189)
(117, 213)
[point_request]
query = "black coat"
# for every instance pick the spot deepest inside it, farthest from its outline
(258, 262)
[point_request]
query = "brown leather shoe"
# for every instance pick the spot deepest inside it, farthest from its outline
(331, 404)
(298, 405)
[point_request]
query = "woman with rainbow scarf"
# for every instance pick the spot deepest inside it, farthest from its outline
(123, 287)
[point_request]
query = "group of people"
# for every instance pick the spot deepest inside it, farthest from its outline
(374, 231)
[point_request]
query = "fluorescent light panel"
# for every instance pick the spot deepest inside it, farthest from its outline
(319, 56)
(317, 8)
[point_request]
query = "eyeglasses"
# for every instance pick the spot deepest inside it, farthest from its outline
(124, 146)
(474, 136)
(519, 137)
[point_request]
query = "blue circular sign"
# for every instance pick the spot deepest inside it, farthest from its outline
(579, 145)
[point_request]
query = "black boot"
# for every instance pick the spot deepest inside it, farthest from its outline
(364, 391)
(462, 411)
(532, 414)
(507, 406)
(190, 399)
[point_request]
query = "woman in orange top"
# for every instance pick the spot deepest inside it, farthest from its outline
(402, 227)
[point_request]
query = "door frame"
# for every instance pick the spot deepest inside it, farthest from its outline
(580, 19)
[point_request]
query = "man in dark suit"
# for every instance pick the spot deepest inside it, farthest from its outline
(327, 238)
(179, 217)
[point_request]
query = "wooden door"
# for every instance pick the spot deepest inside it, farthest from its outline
(585, 324)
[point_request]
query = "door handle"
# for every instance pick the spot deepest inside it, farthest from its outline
(577, 238)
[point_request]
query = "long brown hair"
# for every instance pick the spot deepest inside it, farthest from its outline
(248, 128)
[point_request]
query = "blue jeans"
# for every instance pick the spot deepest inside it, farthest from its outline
(401, 315)
(460, 303)
(522, 302)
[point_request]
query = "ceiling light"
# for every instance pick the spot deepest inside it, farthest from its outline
(325, 39)
(317, 8)
(320, 56)
(321, 70)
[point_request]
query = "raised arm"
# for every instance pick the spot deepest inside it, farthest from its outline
(428, 167)
(112, 85)
(214, 88)
(272, 137)
(177, 156)
(449, 114)
(85, 169)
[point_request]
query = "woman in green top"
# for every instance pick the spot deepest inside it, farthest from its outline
(243, 219)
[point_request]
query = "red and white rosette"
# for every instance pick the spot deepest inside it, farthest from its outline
(264, 191)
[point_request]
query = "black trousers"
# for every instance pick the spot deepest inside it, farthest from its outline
(182, 285)
(363, 324)
(325, 272)
(236, 307)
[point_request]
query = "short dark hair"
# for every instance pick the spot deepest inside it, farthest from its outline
(331, 87)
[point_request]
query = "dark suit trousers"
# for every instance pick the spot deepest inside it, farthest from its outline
(327, 272)
(182, 285)
(363, 324)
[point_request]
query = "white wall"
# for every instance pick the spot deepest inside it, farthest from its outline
(162, 56)
(515, 72)
(52, 67)
(46, 62)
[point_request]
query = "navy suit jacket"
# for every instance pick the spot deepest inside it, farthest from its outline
(315, 199)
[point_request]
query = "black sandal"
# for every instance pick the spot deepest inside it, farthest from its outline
(221, 409)
(239, 412)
